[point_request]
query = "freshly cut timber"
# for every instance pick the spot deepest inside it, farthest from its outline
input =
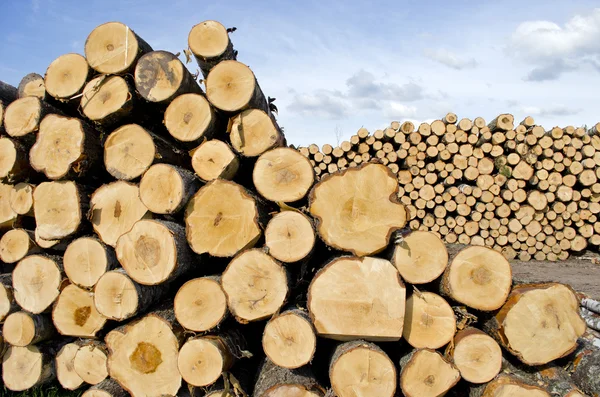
(114, 209)
(24, 329)
(289, 339)
(22, 118)
(214, 159)
(420, 257)
(16, 244)
(143, 356)
(200, 304)
(222, 219)
(161, 77)
(153, 252)
(283, 175)
(166, 189)
(507, 386)
(429, 321)
(59, 208)
(90, 362)
(253, 132)
(21, 199)
(130, 150)
(476, 355)
(65, 370)
(74, 313)
(290, 236)
(113, 48)
(36, 282)
(356, 210)
(118, 297)
(55, 245)
(362, 368)
(86, 259)
(232, 87)
(107, 100)
(32, 85)
(66, 76)
(353, 297)
(14, 160)
(255, 284)
(539, 323)
(504, 122)
(202, 360)
(7, 300)
(189, 118)
(425, 373)
(26, 367)
(65, 147)
(478, 277)
(274, 381)
(209, 42)
(7, 215)
(107, 388)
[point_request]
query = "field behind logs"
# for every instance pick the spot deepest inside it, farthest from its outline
(160, 238)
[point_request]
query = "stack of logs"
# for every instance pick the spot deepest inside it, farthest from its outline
(158, 240)
(519, 189)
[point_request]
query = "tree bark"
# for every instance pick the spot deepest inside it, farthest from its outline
(274, 381)
(107, 388)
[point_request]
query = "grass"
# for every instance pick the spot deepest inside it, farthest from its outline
(44, 391)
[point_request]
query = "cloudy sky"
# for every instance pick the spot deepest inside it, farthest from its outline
(336, 66)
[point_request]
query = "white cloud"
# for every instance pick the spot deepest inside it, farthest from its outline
(552, 110)
(399, 111)
(555, 49)
(450, 59)
(363, 84)
(323, 103)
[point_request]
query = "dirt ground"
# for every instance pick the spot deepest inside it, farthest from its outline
(580, 272)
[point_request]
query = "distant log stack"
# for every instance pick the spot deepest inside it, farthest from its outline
(157, 240)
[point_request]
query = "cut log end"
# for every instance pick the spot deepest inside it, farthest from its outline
(427, 373)
(90, 363)
(148, 252)
(360, 368)
(143, 357)
(429, 321)
(66, 76)
(15, 245)
(349, 203)
(289, 339)
(160, 76)
(128, 152)
(253, 132)
(200, 304)
(507, 386)
(476, 355)
(36, 283)
(112, 48)
(85, 261)
(164, 188)
(115, 208)
(214, 159)
(189, 117)
(340, 310)
(65, 370)
(12, 159)
(290, 236)
(75, 314)
(57, 208)
(19, 329)
(222, 219)
(202, 360)
(21, 199)
(7, 215)
(420, 257)
(104, 96)
(256, 286)
(24, 368)
(208, 39)
(22, 117)
(59, 146)
(32, 85)
(478, 277)
(115, 296)
(283, 175)
(230, 86)
(539, 323)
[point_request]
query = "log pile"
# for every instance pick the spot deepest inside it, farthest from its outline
(520, 189)
(159, 239)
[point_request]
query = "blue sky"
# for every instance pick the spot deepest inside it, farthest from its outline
(336, 66)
